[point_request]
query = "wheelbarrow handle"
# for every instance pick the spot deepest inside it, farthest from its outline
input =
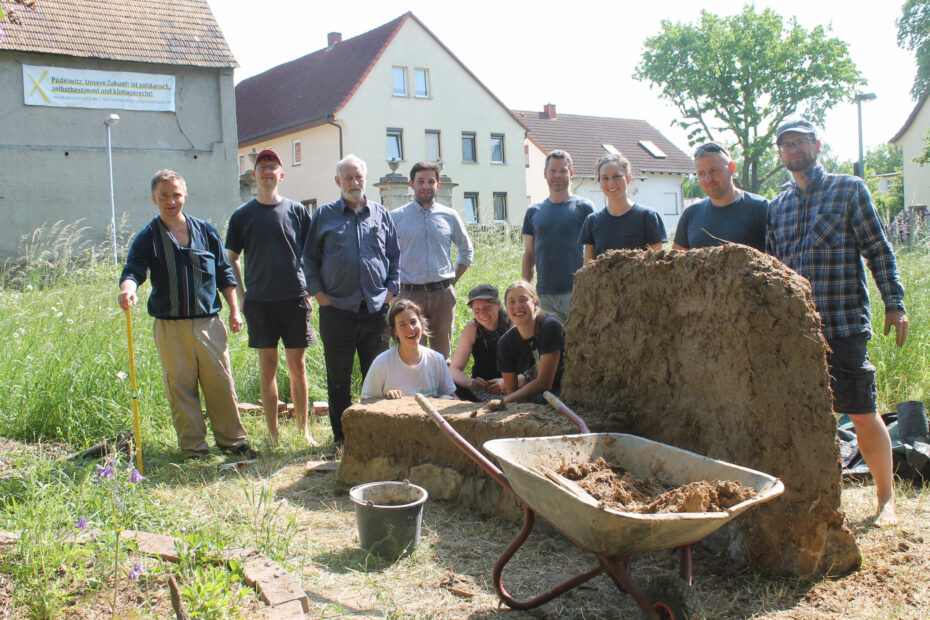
(472, 452)
(553, 400)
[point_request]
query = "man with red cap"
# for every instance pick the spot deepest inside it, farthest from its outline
(270, 230)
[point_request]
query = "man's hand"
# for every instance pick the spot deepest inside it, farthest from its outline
(495, 386)
(388, 297)
(394, 394)
(126, 299)
(235, 321)
(322, 299)
(899, 321)
(478, 384)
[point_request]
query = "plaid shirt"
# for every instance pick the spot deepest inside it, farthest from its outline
(823, 234)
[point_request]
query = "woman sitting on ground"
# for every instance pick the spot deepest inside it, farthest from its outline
(408, 368)
(479, 340)
(533, 347)
(622, 224)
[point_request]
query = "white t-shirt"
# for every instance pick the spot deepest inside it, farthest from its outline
(431, 377)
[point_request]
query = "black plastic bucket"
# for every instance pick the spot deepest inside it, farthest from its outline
(912, 421)
(389, 515)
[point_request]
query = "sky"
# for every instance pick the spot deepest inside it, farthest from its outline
(581, 59)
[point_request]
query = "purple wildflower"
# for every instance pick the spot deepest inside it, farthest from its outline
(135, 477)
(136, 572)
(104, 471)
(81, 524)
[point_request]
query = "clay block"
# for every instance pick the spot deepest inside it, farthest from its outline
(165, 547)
(291, 609)
(274, 584)
(718, 351)
(9, 537)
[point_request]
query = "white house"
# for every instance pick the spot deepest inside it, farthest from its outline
(658, 165)
(393, 92)
(162, 66)
(912, 140)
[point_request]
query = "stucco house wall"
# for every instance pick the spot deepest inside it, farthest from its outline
(912, 142)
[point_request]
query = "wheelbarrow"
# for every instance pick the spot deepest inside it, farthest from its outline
(613, 536)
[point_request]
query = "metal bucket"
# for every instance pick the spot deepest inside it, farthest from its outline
(389, 515)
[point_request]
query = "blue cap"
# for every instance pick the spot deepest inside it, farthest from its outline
(796, 125)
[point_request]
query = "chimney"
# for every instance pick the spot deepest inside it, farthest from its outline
(333, 38)
(549, 110)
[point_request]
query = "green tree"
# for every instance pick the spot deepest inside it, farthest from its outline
(744, 74)
(886, 159)
(914, 35)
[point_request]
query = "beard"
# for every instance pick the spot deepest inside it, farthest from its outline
(801, 164)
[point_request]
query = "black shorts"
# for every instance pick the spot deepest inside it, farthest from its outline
(852, 376)
(287, 320)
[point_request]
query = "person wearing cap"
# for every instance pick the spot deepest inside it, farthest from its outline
(183, 256)
(822, 225)
(270, 231)
(426, 231)
(728, 214)
(478, 340)
(351, 259)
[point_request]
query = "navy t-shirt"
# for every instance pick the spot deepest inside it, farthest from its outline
(636, 229)
(704, 224)
(555, 228)
(272, 237)
(514, 354)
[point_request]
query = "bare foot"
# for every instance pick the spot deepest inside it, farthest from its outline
(310, 440)
(887, 514)
(272, 440)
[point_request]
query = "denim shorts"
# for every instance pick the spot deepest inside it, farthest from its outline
(852, 376)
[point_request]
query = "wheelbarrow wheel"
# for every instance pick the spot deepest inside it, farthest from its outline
(673, 599)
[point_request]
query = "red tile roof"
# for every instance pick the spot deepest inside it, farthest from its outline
(910, 119)
(304, 92)
(174, 32)
(582, 137)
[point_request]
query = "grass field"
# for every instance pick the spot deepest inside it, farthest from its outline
(63, 387)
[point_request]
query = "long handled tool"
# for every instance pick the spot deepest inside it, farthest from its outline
(135, 395)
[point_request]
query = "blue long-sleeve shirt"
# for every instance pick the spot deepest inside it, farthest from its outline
(352, 257)
(186, 281)
(426, 237)
(823, 233)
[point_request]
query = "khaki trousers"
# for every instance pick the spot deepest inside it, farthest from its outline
(194, 351)
(439, 309)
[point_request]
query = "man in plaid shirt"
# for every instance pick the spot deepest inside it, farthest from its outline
(822, 225)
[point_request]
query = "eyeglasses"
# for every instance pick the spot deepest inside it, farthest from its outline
(267, 167)
(710, 147)
(800, 143)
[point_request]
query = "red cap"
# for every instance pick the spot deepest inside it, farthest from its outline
(269, 153)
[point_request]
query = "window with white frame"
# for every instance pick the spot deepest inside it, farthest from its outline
(497, 148)
(469, 152)
(471, 207)
(395, 143)
(296, 153)
(670, 203)
(500, 206)
(433, 152)
(400, 82)
(421, 83)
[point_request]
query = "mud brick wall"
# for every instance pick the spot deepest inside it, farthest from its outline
(719, 351)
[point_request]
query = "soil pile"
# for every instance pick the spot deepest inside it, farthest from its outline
(718, 351)
(614, 487)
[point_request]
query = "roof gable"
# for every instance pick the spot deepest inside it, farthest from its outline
(173, 32)
(910, 119)
(305, 91)
(584, 137)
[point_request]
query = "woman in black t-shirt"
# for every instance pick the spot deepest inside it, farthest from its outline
(479, 340)
(533, 347)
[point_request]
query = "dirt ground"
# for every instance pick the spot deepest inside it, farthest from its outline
(718, 351)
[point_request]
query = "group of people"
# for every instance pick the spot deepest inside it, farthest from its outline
(377, 275)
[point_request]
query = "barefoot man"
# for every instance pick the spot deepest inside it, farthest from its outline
(822, 226)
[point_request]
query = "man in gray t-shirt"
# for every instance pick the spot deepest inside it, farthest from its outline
(550, 237)
(728, 214)
(270, 230)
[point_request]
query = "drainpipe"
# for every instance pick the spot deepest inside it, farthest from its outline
(329, 119)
